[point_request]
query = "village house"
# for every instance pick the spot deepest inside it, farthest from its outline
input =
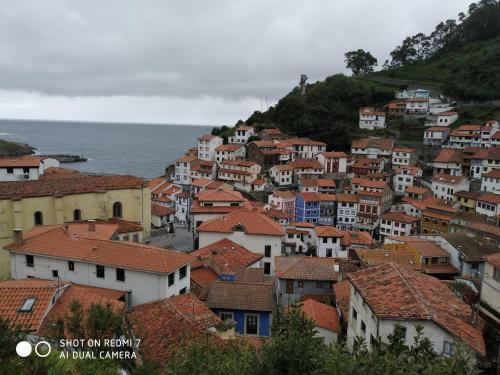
(252, 230)
(88, 258)
(284, 200)
(240, 173)
(272, 134)
(282, 175)
(245, 297)
(467, 200)
(25, 168)
(162, 216)
(296, 242)
(231, 151)
(241, 134)
(413, 93)
(449, 162)
(306, 168)
(398, 224)
(207, 144)
(370, 118)
(307, 207)
(490, 287)
(183, 169)
(372, 148)
(325, 319)
(417, 108)
(403, 157)
(328, 242)
(303, 148)
(77, 197)
(161, 325)
(490, 181)
(268, 153)
(488, 204)
(375, 309)
(399, 255)
(396, 110)
(436, 135)
(333, 162)
(405, 177)
(302, 275)
(34, 306)
(201, 184)
(436, 218)
(317, 185)
(484, 161)
(444, 186)
(347, 210)
(327, 208)
(465, 136)
(203, 169)
(367, 166)
(446, 118)
(212, 203)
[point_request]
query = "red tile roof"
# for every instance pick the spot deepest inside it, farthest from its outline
(342, 291)
(399, 217)
(305, 163)
(328, 231)
(77, 184)
(322, 315)
(334, 154)
(448, 179)
(158, 210)
(449, 155)
(403, 257)
(20, 162)
(123, 254)
(249, 296)
(251, 222)
(382, 143)
(166, 325)
(219, 195)
(229, 147)
(306, 268)
(396, 293)
(493, 259)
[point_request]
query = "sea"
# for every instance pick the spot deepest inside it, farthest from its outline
(143, 150)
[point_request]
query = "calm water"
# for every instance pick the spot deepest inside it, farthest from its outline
(138, 149)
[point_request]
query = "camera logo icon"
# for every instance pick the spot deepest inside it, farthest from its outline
(24, 349)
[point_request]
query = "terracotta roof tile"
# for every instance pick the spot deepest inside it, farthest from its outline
(251, 223)
(20, 162)
(241, 296)
(328, 231)
(322, 315)
(396, 293)
(306, 268)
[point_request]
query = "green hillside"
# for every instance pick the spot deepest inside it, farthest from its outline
(472, 72)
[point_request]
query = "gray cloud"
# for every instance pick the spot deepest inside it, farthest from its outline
(227, 51)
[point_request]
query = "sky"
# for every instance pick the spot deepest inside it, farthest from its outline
(187, 62)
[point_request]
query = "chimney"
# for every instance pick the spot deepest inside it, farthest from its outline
(18, 237)
(91, 225)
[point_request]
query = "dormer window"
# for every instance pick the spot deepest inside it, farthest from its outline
(238, 228)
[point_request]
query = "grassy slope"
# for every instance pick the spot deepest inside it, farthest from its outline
(475, 69)
(14, 149)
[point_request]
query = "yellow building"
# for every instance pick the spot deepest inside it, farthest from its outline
(60, 199)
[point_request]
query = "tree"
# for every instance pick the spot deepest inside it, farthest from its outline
(360, 61)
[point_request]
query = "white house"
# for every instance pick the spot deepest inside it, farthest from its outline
(372, 147)
(405, 177)
(449, 161)
(444, 186)
(282, 175)
(436, 135)
(446, 118)
(150, 273)
(252, 230)
(183, 169)
(417, 108)
(325, 318)
(347, 210)
(333, 162)
(370, 118)
(231, 151)
(206, 146)
(376, 307)
(304, 148)
(488, 204)
(490, 287)
(284, 200)
(328, 242)
(398, 224)
(24, 168)
(162, 216)
(240, 173)
(403, 157)
(241, 134)
(491, 181)
(484, 160)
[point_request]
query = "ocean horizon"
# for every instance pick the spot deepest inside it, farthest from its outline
(140, 149)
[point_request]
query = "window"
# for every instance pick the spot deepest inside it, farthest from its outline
(300, 283)
(183, 291)
(77, 215)
(251, 324)
(171, 279)
(38, 218)
(183, 272)
(329, 253)
(55, 273)
(126, 237)
(27, 305)
(26, 170)
(267, 251)
(325, 239)
(136, 238)
(29, 261)
(447, 348)
(99, 270)
(354, 314)
(10, 170)
(267, 268)
(226, 316)
(117, 209)
(289, 286)
(363, 326)
(71, 265)
(319, 284)
(120, 274)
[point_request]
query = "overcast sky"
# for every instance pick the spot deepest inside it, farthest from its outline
(186, 62)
